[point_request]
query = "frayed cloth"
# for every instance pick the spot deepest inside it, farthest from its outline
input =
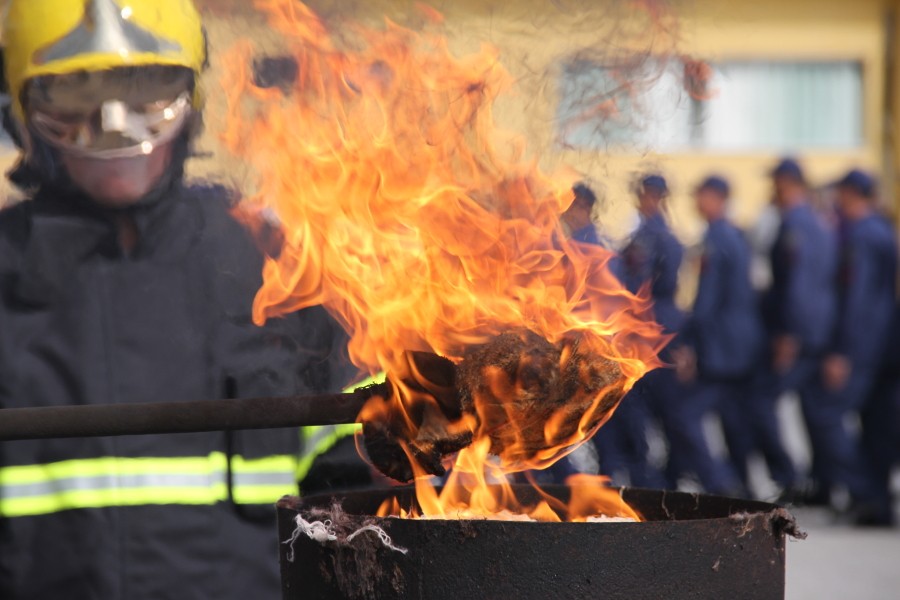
(323, 532)
(382, 535)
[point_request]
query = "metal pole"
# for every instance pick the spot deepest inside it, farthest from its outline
(182, 417)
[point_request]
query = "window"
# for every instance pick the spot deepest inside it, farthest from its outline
(752, 106)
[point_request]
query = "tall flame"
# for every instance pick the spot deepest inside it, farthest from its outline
(422, 227)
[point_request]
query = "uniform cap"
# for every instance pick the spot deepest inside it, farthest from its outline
(859, 181)
(788, 167)
(717, 184)
(655, 183)
(583, 192)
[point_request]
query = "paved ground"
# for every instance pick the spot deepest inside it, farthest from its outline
(842, 562)
(837, 561)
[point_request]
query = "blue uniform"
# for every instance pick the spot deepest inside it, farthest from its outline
(621, 443)
(726, 332)
(587, 235)
(724, 327)
(866, 290)
(652, 258)
(865, 285)
(801, 303)
(880, 418)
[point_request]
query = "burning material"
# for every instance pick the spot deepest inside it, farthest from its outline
(527, 396)
(437, 244)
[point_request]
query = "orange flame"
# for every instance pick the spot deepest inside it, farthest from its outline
(422, 227)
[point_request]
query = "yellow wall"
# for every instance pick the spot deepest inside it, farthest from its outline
(535, 36)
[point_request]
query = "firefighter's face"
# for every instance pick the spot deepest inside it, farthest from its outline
(118, 182)
(113, 129)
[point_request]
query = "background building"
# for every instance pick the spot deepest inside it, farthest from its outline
(611, 88)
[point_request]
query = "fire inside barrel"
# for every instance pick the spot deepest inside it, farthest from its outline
(426, 230)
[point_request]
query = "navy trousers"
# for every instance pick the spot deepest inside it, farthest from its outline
(622, 442)
(689, 451)
(837, 453)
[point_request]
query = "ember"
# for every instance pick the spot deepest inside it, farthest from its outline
(427, 231)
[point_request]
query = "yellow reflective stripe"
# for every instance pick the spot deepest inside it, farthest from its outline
(322, 439)
(282, 463)
(263, 494)
(51, 503)
(113, 481)
(91, 467)
(377, 378)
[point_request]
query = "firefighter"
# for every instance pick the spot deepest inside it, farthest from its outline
(578, 216)
(119, 283)
(724, 337)
(866, 297)
(799, 311)
(650, 259)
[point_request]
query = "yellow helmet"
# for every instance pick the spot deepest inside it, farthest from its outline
(58, 37)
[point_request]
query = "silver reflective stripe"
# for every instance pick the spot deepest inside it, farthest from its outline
(145, 480)
(105, 29)
(282, 478)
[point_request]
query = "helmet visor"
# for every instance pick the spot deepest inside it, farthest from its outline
(110, 114)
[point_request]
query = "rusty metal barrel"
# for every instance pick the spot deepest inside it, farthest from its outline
(689, 546)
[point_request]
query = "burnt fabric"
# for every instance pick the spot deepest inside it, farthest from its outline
(81, 322)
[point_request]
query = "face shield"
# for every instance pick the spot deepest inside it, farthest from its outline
(114, 114)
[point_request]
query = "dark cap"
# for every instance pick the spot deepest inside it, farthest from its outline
(788, 167)
(583, 192)
(716, 184)
(860, 182)
(655, 183)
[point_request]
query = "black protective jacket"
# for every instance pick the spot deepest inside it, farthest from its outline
(156, 516)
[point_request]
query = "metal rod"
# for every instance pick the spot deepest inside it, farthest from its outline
(182, 417)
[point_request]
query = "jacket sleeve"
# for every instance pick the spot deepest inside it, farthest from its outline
(668, 261)
(709, 289)
(857, 279)
(800, 284)
(865, 314)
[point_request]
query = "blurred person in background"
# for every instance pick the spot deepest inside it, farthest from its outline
(578, 217)
(650, 262)
(121, 284)
(799, 312)
(621, 443)
(866, 296)
(723, 340)
(881, 435)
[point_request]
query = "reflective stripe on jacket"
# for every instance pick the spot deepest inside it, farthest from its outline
(113, 481)
(319, 440)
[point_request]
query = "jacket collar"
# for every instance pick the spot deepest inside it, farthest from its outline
(67, 231)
